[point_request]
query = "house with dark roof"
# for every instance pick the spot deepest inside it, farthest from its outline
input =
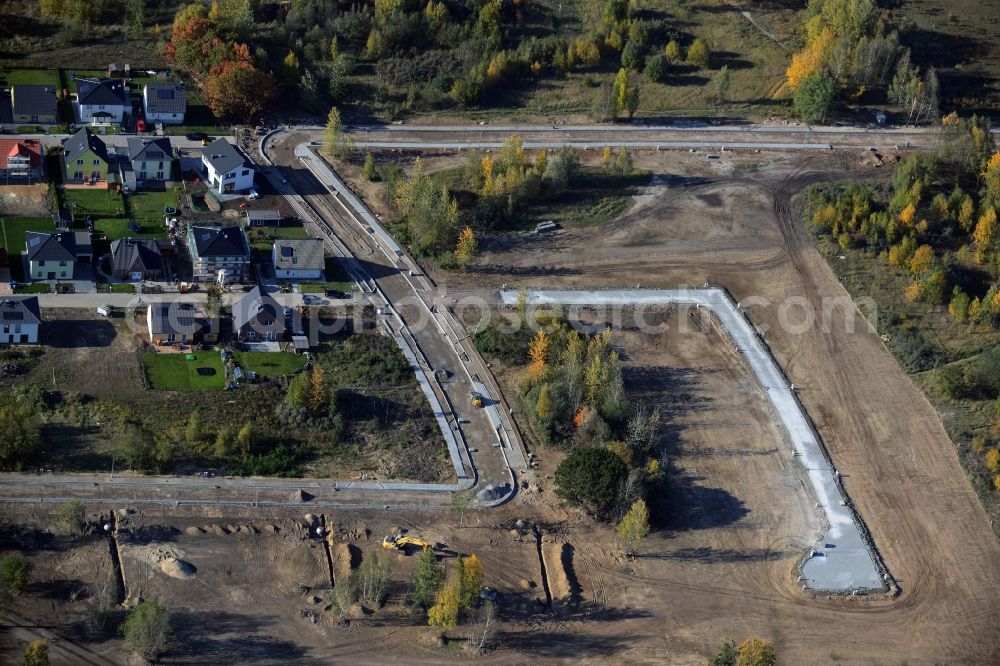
(219, 251)
(150, 159)
(20, 317)
(137, 259)
(171, 322)
(102, 101)
(258, 318)
(227, 168)
(298, 259)
(164, 103)
(20, 161)
(85, 158)
(54, 256)
(34, 104)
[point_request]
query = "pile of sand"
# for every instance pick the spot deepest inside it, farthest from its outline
(346, 558)
(554, 553)
(177, 568)
(194, 531)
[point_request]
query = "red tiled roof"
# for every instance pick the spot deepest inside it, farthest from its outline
(20, 147)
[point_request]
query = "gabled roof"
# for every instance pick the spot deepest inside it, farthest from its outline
(263, 216)
(165, 97)
(223, 156)
(30, 148)
(151, 150)
(83, 141)
(220, 242)
(133, 255)
(34, 100)
(258, 307)
(20, 310)
(299, 255)
(174, 317)
(51, 247)
(106, 92)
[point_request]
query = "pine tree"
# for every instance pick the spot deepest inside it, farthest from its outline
(427, 579)
(465, 248)
(368, 171)
(634, 526)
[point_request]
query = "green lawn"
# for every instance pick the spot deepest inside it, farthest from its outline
(122, 289)
(33, 77)
(117, 227)
(262, 238)
(12, 231)
(147, 204)
(173, 372)
(270, 364)
(336, 278)
(96, 202)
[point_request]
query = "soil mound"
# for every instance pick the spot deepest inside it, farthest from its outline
(194, 531)
(346, 558)
(176, 568)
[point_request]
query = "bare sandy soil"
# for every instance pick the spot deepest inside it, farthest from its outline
(721, 565)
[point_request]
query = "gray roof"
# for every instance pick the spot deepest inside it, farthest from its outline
(173, 317)
(20, 310)
(258, 307)
(51, 247)
(133, 255)
(224, 156)
(34, 100)
(107, 92)
(165, 97)
(302, 255)
(149, 150)
(220, 242)
(81, 142)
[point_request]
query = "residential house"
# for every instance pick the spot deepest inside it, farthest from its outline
(263, 218)
(54, 256)
(20, 317)
(164, 103)
(102, 101)
(180, 322)
(219, 253)
(149, 160)
(227, 169)
(85, 158)
(20, 160)
(298, 259)
(34, 104)
(137, 259)
(258, 318)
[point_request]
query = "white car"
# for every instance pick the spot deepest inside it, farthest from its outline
(254, 194)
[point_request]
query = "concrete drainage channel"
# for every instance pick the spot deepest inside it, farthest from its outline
(844, 558)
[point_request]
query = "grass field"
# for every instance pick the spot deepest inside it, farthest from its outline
(36, 288)
(34, 77)
(146, 205)
(336, 278)
(173, 372)
(95, 202)
(117, 227)
(262, 238)
(270, 364)
(12, 231)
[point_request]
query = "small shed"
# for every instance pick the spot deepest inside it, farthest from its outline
(300, 343)
(263, 218)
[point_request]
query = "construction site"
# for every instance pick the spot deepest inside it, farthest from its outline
(814, 497)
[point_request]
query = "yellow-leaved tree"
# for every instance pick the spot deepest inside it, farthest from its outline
(444, 612)
(991, 177)
(922, 259)
(538, 354)
(472, 581)
(755, 652)
(465, 248)
(634, 526)
(807, 62)
(543, 406)
(985, 233)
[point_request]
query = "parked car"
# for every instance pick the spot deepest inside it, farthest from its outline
(196, 136)
(336, 293)
(310, 299)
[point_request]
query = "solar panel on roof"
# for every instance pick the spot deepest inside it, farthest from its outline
(34, 240)
(14, 315)
(286, 251)
(165, 93)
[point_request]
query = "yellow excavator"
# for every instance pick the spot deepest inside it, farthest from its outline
(477, 400)
(400, 542)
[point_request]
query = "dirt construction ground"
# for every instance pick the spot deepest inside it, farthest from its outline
(720, 567)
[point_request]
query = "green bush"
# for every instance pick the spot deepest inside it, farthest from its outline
(590, 477)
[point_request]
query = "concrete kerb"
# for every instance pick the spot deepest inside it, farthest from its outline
(396, 255)
(846, 559)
